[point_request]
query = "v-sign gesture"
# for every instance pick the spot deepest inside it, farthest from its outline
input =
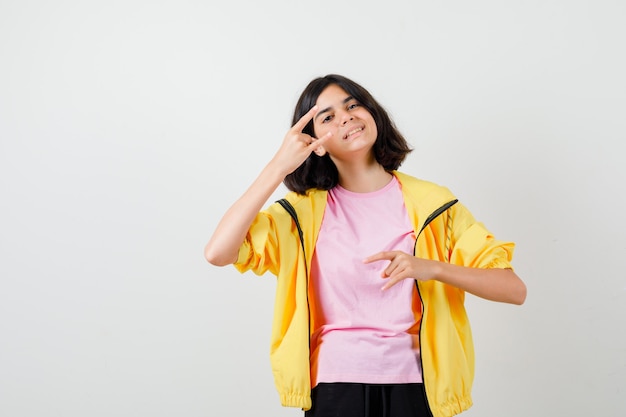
(297, 146)
(224, 245)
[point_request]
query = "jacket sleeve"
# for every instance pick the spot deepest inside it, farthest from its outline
(471, 244)
(259, 251)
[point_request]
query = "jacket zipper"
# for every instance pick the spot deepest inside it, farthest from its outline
(292, 212)
(429, 219)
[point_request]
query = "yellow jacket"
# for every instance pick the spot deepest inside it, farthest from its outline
(447, 353)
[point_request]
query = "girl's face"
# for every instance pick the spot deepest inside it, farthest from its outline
(353, 128)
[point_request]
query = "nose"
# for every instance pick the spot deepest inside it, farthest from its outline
(345, 118)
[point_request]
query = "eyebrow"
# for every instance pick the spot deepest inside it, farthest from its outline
(327, 109)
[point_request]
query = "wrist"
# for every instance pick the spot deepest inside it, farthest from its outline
(274, 171)
(438, 271)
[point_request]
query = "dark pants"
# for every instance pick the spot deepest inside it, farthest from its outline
(368, 400)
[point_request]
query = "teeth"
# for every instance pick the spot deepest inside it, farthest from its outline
(358, 129)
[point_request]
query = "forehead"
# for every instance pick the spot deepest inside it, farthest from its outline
(331, 96)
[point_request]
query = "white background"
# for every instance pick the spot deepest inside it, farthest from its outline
(128, 127)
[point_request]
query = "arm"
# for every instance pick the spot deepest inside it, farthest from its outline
(495, 284)
(223, 247)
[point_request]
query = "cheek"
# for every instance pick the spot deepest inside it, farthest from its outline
(373, 126)
(322, 130)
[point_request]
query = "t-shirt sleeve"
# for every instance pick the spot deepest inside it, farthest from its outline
(473, 245)
(259, 250)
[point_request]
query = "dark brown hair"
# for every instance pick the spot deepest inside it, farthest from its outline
(390, 147)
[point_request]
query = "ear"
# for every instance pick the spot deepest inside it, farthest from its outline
(320, 150)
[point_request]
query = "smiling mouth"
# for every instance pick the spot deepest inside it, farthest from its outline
(352, 132)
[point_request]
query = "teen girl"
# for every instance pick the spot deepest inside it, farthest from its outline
(369, 317)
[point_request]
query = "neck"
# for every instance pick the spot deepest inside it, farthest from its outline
(363, 178)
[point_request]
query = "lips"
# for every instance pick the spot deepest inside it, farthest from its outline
(352, 132)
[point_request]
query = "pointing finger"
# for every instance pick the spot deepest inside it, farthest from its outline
(304, 120)
(380, 256)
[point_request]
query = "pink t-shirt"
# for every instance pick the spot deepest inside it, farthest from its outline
(363, 334)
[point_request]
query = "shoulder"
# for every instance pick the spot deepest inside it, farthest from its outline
(302, 203)
(422, 189)
(309, 209)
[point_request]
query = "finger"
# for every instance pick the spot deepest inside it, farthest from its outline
(390, 283)
(315, 143)
(390, 270)
(392, 279)
(380, 256)
(304, 120)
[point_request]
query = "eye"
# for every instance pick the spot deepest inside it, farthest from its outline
(327, 119)
(352, 106)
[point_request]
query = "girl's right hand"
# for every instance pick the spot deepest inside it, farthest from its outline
(223, 247)
(297, 146)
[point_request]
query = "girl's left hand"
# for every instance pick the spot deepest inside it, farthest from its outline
(402, 266)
